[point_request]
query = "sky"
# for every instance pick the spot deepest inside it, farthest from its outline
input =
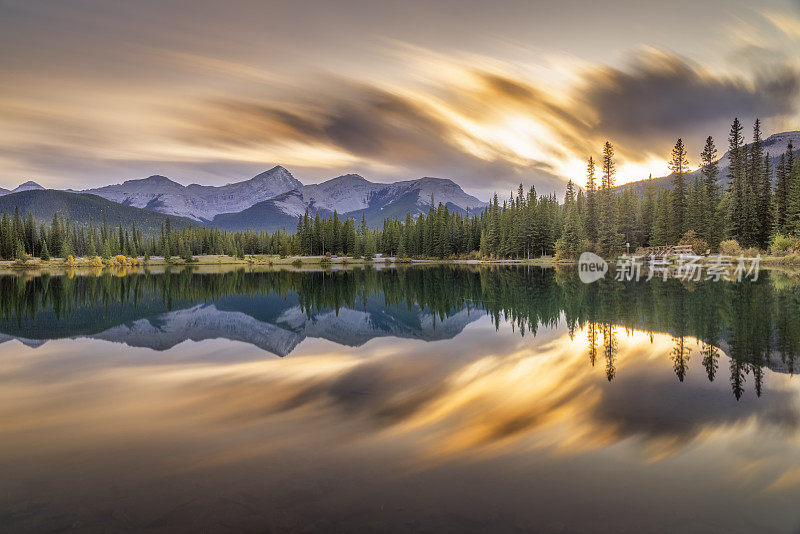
(489, 94)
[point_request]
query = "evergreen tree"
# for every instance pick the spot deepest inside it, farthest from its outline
(781, 198)
(710, 229)
(609, 238)
(737, 216)
(20, 252)
(765, 212)
(590, 221)
(679, 165)
(648, 209)
(572, 238)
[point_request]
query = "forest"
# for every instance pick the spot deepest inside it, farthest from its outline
(759, 209)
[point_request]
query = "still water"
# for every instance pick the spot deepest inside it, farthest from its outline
(418, 399)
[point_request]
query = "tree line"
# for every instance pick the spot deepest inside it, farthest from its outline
(750, 210)
(600, 217)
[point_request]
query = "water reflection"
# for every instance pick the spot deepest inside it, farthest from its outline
(754, 323)
(464, 400)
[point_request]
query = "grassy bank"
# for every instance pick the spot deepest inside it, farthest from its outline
(787, 262)
(58, 264)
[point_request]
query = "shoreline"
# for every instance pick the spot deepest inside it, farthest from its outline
(790, 263)
(254, 261)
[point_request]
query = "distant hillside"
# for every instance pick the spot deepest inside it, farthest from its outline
(774, 146)
(264, 216)
(82, 208)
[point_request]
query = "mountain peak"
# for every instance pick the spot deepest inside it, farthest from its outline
(277, 172)
(158, 179)
(27, 186)
(347, 179)
(429, 180)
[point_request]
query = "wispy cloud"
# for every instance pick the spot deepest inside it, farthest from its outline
(205, 101)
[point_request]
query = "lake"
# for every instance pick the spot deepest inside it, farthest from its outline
(415, 399)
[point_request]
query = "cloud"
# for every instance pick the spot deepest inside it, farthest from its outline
(389, 132)
(491, 129)
(662, 97)
(485, 124)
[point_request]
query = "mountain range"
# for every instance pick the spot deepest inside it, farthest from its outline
(268, 201)
(273, 199)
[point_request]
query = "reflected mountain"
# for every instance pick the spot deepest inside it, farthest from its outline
(140, 311)
(230, 318)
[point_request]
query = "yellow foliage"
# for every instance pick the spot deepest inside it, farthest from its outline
(121, 259)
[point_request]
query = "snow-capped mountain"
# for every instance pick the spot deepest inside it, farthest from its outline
(199, 202)
(352, 195)
(27, 186)
(352, 192)
(275, 198)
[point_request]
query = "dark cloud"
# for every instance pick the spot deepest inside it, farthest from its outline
(662, 97)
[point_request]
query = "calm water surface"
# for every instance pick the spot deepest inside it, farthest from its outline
(420, 399)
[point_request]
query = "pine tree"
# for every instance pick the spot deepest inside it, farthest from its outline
(711, 227)
(765, 213)
(609, 238)
(590, 221)
(781, 197)
(737, 216)
(648, 209)
(572, 237)
(679, 165)
(45, 256)
(793, 211)
(787, 216)
(20, 252)
(662, 226)
(754, 197)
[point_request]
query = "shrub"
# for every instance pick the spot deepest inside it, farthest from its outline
(96, 262)
(567, 252)
(784, 244)
(730, 247)
(120, 259)
(20, 255)
(699, 245)
(45, 252)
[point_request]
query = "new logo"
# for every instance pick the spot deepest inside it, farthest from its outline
(591, 267)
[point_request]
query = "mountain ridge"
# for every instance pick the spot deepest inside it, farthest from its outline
(83, 208)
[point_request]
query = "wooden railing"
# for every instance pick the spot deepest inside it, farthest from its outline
(665, 251)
